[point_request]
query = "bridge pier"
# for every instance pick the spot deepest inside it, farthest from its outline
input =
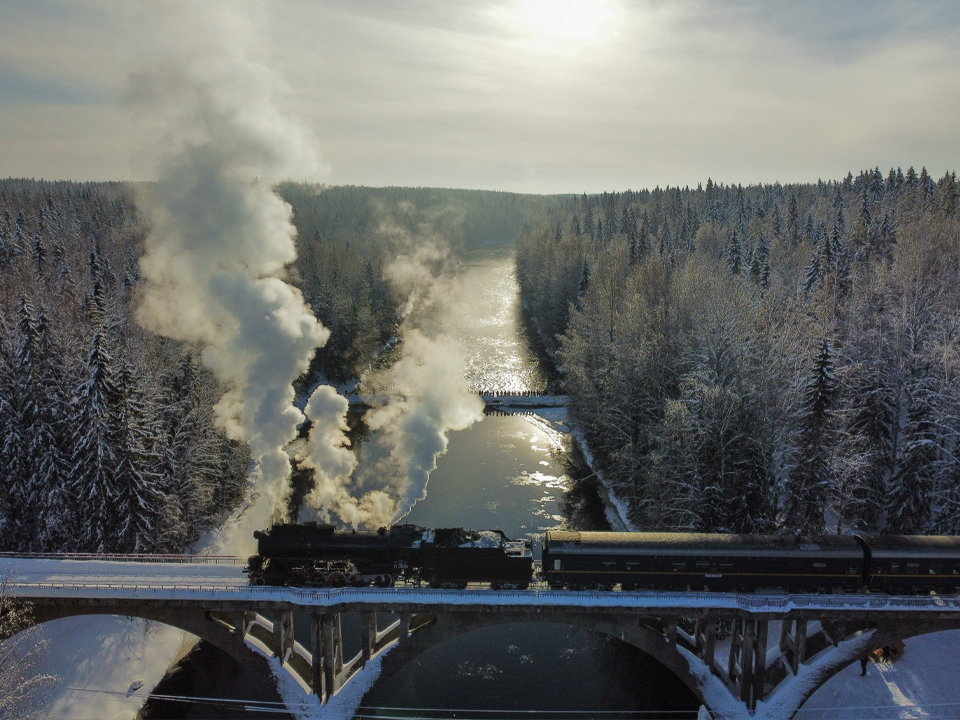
(705, 639)
(793, 641)
(283, 635)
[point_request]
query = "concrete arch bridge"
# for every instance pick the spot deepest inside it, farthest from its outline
(772, 652)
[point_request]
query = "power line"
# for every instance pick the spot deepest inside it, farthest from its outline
(408, 713)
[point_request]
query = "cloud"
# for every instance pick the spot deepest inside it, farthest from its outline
(444, 94)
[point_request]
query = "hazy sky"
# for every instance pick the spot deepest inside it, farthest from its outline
(525, 95)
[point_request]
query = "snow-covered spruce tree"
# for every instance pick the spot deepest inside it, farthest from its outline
(805, 492)
(21, 403)
(93, 482)
(49, 451)
(909, 489)
(10, 443)
(137, 440)
(735, 261)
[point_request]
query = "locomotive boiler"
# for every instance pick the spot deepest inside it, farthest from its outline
(313, 554)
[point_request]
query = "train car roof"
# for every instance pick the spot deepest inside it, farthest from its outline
(914, 546)
(691, 543)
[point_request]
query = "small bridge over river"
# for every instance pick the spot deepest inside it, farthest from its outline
(776, 649)
(493, 399)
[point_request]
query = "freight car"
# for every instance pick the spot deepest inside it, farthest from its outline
(312, 554)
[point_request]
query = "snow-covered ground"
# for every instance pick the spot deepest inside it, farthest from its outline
(99, 658)
(107, 665)
(923, 683)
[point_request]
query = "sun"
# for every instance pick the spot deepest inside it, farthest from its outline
(574, 19)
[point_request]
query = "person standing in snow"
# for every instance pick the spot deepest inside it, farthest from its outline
(863, 664)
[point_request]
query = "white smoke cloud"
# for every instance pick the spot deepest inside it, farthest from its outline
(328, 452)
(433, 401)
(220, 237)
(215, 261)
(431, 397)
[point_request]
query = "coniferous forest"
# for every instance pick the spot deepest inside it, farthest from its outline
(745, 359)
(107, 434)
(107, 441)
(347, 235)
(764, 358)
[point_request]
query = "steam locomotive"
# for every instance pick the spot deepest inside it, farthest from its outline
(319, 555)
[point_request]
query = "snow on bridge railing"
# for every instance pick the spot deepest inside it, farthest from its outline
(530, 598)
(130, 557)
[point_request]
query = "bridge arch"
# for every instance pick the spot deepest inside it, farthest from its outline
(450, 626)
(202, 624)
(847, 639)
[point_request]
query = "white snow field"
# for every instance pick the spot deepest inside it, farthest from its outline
(923, 683)
(107, 665)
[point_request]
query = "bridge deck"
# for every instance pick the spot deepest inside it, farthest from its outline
(197, 581)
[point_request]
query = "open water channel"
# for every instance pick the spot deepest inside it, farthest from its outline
(509, 472)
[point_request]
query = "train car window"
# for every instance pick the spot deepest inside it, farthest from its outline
(956, 569)
(913, 568)
(820, 568)
(726, 565)
(936, 569)
(609, 564)
(852, 570)
(556, 564)
(703, 565)
(679, 566)
(894, 568)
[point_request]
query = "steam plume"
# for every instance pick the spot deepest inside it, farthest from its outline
(431, 397)
(220, 238)
(328, 453)
(434, 401)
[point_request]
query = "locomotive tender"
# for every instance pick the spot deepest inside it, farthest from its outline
(314, 554)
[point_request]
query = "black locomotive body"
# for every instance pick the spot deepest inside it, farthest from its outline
(677, 561)
(320, 555)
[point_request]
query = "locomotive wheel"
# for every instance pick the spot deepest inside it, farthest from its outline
(383, 581)
(336, 579)
(259, 581)
(357, 580)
